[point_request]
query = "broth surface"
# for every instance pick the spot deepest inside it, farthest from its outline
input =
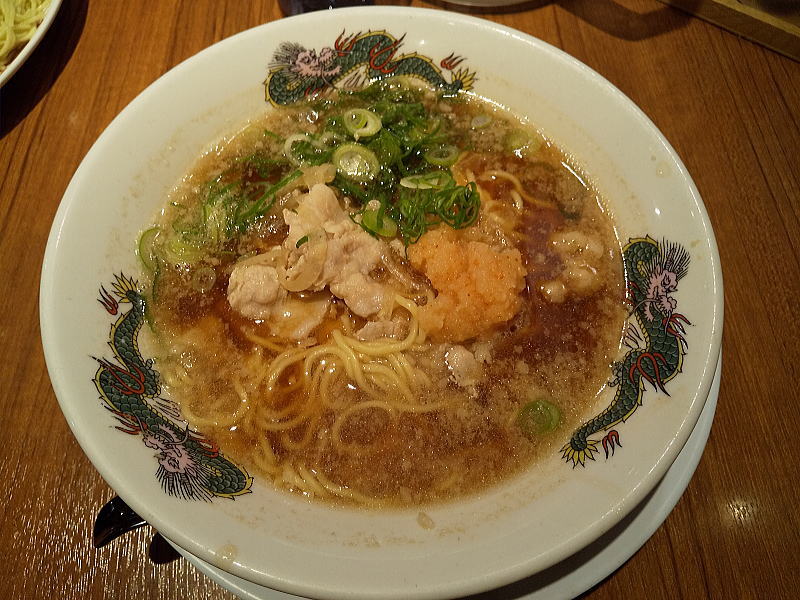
(477, 328)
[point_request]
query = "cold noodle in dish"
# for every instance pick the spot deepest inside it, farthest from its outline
(385, 297)
(19, 20)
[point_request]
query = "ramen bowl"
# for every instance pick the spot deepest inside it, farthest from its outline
(102, 375)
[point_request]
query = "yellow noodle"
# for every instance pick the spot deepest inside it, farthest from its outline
(391, 376)
(310, 429)
(239, 389)
(174, 375)
(281, 362)
(384, 385)
(270, 343)
(517, 186)
(380, 348)
(215, 407)
(264, 458)
(18, 22)
(273, 415)
(422, 378)
(310, 482)
(352, 363)
(200, 422)
(285, 425)
(345, 414)
(347, 323)
(319, 354)
(312, 377)
(261, 373)
(345, 492)
(329, 378)
(380, 369)
(517, 198)
(415, 375)
(289, 477)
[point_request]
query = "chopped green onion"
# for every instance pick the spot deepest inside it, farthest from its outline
(329, 137)
(264, 203)
(179, 251)
(361, 122)
(386, 147)
(427, 181)
(376, 221)
(538, 417)
(261, 164)
(356, 162)
(426, 133)
(301, 241)
(420, 209)
(215, 218)
(288, 149)
(458, 206)
(480, 121)
(442, 156)
(522, 143)
(146, 248)
(434, 125)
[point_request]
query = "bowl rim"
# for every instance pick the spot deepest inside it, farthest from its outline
(470, 585)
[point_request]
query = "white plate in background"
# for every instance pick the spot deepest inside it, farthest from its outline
(30, 46)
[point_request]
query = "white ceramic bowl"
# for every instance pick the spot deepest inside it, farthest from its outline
(284, 542)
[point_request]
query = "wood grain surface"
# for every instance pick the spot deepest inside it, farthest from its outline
(729, 107)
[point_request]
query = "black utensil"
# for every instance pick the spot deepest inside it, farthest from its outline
(114, 519)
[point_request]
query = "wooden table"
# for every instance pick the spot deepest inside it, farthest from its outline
(729, 107)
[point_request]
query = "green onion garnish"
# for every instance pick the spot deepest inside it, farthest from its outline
(427, 181)
(445, 155)
(378, 222)
(361, 122)
(263, 203)
(538, 417)
(288, 147)
(422, 208)
(521, 142)
(480, 121)
(356, 162)
(146, 248)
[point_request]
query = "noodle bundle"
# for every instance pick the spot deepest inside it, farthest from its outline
(19, 20)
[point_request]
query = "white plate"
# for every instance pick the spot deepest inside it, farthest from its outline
(579, 572)
(28, 49)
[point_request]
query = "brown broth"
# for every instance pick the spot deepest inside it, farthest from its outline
(555, 350)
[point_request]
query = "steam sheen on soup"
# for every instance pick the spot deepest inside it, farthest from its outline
(384, 296)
